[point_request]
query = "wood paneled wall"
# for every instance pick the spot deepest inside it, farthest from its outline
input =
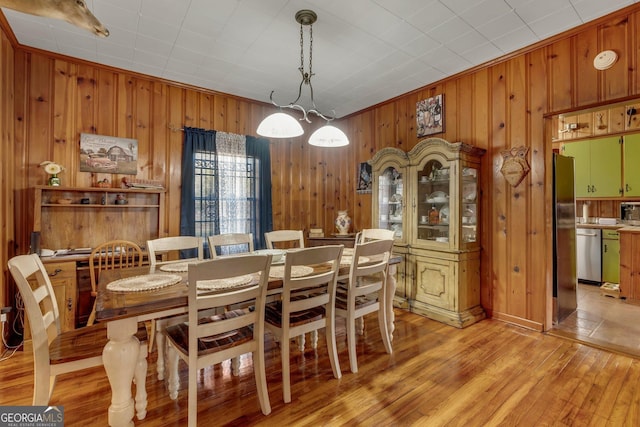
(7, 162)
(496, 107)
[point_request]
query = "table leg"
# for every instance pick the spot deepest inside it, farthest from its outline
(161, 347)
(391, 292)
(120, 356)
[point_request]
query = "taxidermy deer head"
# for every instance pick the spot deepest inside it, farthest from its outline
(73, 11)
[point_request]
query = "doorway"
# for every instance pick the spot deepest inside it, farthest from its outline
(602, 321)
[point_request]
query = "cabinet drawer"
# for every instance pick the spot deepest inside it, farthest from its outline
(61, 270)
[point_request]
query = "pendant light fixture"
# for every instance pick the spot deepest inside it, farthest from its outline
(282, 125)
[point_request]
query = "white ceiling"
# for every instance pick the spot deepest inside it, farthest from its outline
(364, 51)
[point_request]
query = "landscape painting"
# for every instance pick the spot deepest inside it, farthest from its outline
(108, 154)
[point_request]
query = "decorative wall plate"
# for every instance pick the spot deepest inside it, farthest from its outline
(514, 165)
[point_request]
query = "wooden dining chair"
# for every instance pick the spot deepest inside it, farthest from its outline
(230, 243)
(56, 352)
(307, 304)
(206, 340)
(109, 256)
(364, 293)
(374, 234)
(284, 239)
(164, 251)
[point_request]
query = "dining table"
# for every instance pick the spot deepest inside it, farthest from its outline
(131, 295)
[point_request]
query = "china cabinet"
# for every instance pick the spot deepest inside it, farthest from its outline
(430, 198)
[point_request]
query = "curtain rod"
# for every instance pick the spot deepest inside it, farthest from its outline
(174, 128)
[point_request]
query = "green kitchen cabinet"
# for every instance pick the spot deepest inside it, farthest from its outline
(581, 153)
(598, 166)
(631, 150)
(610, 256)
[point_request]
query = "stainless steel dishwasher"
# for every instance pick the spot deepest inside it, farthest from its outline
(589, 254)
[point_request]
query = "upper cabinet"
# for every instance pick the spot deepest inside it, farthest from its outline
(606, 167)
(631, 154)
(444, 194)
(430, 198)
(598, 166)
(389, 167)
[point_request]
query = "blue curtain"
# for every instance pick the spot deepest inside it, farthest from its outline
(258, 159)
(259, 154)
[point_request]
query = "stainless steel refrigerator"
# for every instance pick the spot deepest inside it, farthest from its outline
(564, 238)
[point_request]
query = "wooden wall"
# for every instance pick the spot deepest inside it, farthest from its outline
(7, 162)
(497, 107)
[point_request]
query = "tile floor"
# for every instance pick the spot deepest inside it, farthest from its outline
(603, 322)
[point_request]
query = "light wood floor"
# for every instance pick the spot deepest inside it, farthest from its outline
(490, 373)
(603, 321)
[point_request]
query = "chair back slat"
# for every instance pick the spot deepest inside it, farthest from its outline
(369, 234)
(169, 248)
(230, 243)
(284, 239)
(39, 299)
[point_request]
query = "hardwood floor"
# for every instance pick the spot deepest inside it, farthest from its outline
(602, 321)
(490, 373)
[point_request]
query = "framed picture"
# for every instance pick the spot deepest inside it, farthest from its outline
(364, 178)
(430, 115)
(108, 154)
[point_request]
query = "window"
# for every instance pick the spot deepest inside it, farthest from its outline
(224, 194)
(226, 185)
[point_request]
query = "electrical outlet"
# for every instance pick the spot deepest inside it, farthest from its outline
(3, 314)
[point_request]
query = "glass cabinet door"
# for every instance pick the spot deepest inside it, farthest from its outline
(469, 207)
(390, 201)
(433, 215)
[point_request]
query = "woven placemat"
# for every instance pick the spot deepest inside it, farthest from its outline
(224, 284)
(144, 283)
(348, 259)
(296, 271)
(178, 267)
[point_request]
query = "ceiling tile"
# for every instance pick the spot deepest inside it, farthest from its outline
(558, 21)
(364, 51)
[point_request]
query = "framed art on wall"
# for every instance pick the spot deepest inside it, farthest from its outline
(364, 178)
(430, 115)
(108, 154)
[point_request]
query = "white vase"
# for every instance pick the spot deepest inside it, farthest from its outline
(343, 222)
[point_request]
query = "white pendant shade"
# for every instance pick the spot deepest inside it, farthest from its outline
(329, 136)
(280, 125)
